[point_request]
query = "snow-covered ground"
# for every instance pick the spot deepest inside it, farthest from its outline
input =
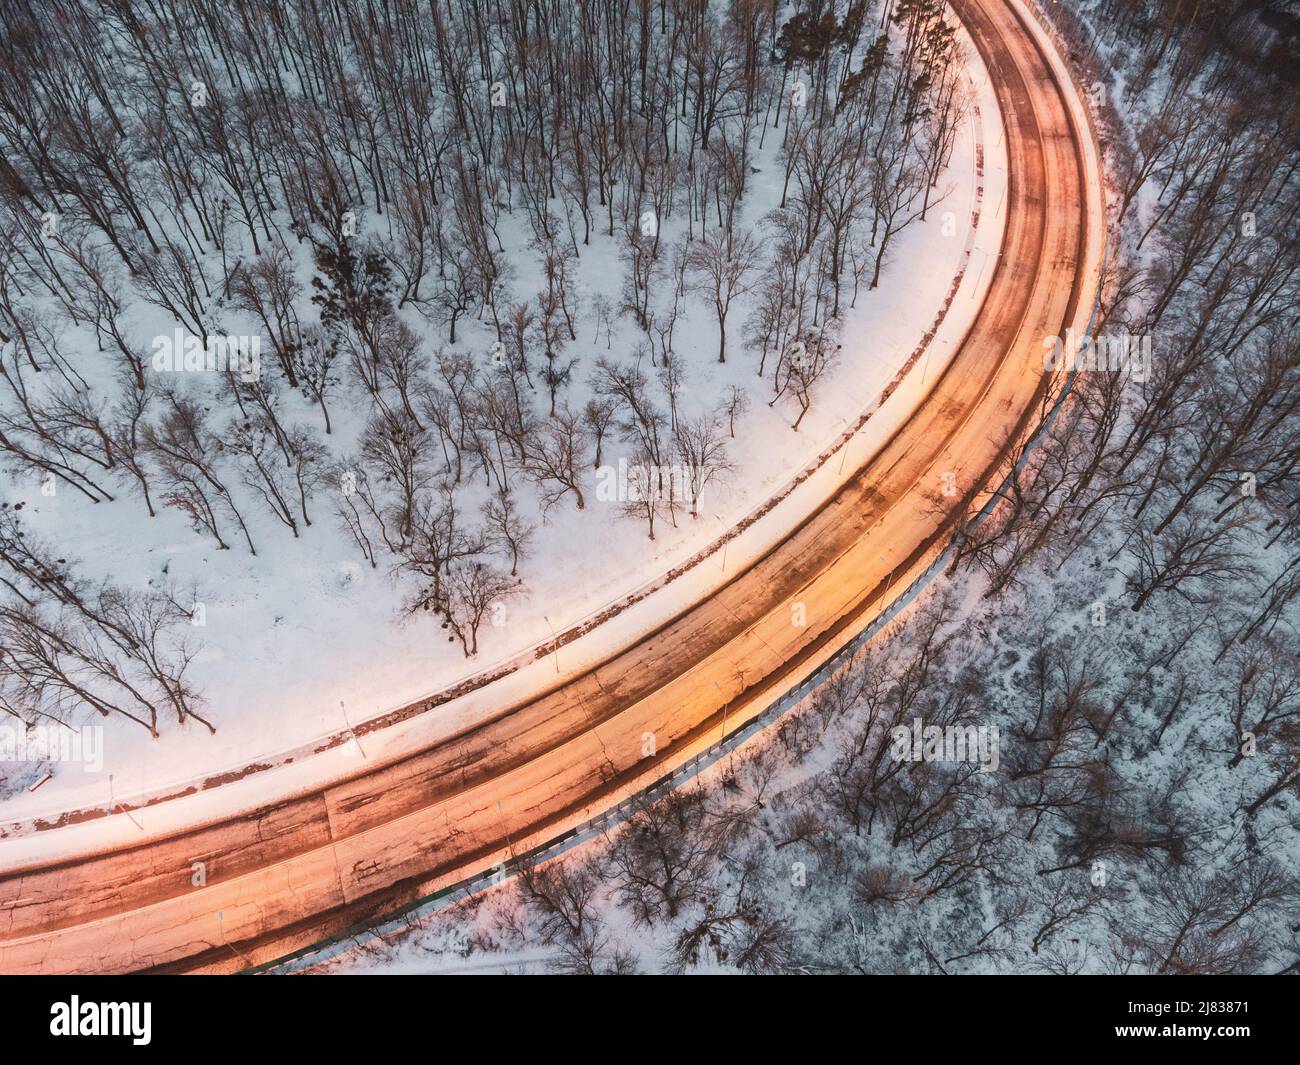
(305, 641)
(1203, 882)
(773, 782)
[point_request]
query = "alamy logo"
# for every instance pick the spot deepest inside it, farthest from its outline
(953, 743)
(1108, 353)
(102, 1018)
(183, 352)
(54, 743)
(644, 483)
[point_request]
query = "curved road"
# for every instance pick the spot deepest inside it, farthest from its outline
(290, 874)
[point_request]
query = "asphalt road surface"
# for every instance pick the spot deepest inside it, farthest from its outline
(292, 873)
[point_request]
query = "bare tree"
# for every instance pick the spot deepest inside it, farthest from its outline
(473, 590)
(507, 528)
(724, 265)
(558, 457)
(703, 454)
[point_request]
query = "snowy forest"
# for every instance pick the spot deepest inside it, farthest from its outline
(1126, 618)
(279, 269)
(392, 283)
